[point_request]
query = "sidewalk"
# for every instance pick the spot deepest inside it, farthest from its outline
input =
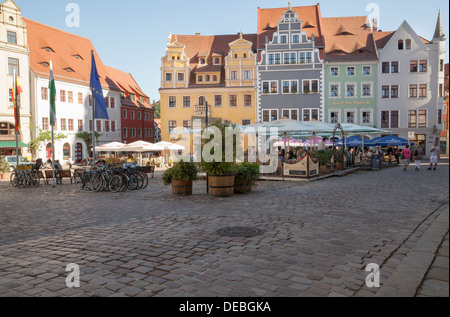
(425, 269)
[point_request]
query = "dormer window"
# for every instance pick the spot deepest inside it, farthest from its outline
(78, 56)
(202, 61)
(49, 49)
(217, 61)
(45, 64)
(69, 70)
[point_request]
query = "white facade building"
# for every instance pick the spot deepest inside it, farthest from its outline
(14, 55)
(71, 58)
(74, 114)
(410, 83)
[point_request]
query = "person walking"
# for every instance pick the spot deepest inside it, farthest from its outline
(434, 159)
(406, 158)
(418, 156)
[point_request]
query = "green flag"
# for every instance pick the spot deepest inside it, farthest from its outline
(52, 97)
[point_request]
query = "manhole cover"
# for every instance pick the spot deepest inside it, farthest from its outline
(240, 232)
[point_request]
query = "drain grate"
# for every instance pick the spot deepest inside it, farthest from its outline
(239, 232)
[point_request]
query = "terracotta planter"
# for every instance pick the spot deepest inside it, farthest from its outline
(221, 186)
(4, 176)
(182, 188)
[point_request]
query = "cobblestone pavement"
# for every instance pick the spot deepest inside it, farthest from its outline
(317, 237)
(436, 280)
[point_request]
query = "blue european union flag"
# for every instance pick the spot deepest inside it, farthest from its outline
(100, 105)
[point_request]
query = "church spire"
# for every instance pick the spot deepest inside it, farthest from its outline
(439, 32)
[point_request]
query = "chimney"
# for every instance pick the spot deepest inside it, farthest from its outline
(197, 34)
(375, 25)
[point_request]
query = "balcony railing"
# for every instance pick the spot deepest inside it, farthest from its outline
(200, 111)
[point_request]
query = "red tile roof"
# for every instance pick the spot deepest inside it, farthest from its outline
(268, 22)
(348, 38)
(67, 51)
(128, 85)
(382, 38)
(208, 45)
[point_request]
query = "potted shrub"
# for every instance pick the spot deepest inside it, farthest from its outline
(181, 177)
(221, 175)
(247, 174)
(4, 169)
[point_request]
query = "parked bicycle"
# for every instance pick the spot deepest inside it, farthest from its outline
(113, 178)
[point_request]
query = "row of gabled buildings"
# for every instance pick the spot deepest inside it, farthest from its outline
(302, 66)
(27, 47)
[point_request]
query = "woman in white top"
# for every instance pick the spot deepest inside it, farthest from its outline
(434, 158)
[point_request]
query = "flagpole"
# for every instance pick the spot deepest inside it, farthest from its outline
(16, 119)
(52, 123)
(93, 122)
(53, 157)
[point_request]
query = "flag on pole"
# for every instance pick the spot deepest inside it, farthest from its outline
(100, 105)
(16, 91)
(52, 89)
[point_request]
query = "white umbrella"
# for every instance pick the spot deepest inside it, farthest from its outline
(170, 146)
(110, 147)
(142, 146)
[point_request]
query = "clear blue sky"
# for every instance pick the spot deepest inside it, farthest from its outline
(132, 35)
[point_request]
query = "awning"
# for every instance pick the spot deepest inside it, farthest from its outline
(12, 144)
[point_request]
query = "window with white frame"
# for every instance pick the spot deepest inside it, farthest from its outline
(270, 115)
(350, 116)
(308, 57)
(311, 114)
(367, 89)
(334, 71)
(350, 90)
(291, 114)
(295, 38)
(334, 116)
(351, 71)
(367, 70)
(334, 90)
(302, 58)
(290, 86)
(366, 116)
(247, 74)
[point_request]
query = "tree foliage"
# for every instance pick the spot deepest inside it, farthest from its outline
(45, 137)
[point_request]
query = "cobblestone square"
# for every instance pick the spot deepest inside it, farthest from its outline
(317, 238)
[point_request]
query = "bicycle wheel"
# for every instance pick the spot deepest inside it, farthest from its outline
(97, 182)
(34, 180)
(21, 180)
(13, 180)
(115, 184)
(79, 180)
(134, 182)
(145, 178)
(125, 183)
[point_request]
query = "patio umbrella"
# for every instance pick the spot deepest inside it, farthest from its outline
(141, 147)
(316, 142)
(392, 140)
(110, 147)
(353, 141)
(289, 142)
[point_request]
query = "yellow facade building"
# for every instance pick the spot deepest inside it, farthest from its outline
(215, 71)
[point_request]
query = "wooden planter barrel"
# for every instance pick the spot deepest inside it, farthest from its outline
(221, 186)
(182, 188)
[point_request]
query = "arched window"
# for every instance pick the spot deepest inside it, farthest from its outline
(201, 101)
(408, 44)
(400, 45)
(6, 128)
(66, 151)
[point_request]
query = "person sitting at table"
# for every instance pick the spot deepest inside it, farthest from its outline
(291, 155)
